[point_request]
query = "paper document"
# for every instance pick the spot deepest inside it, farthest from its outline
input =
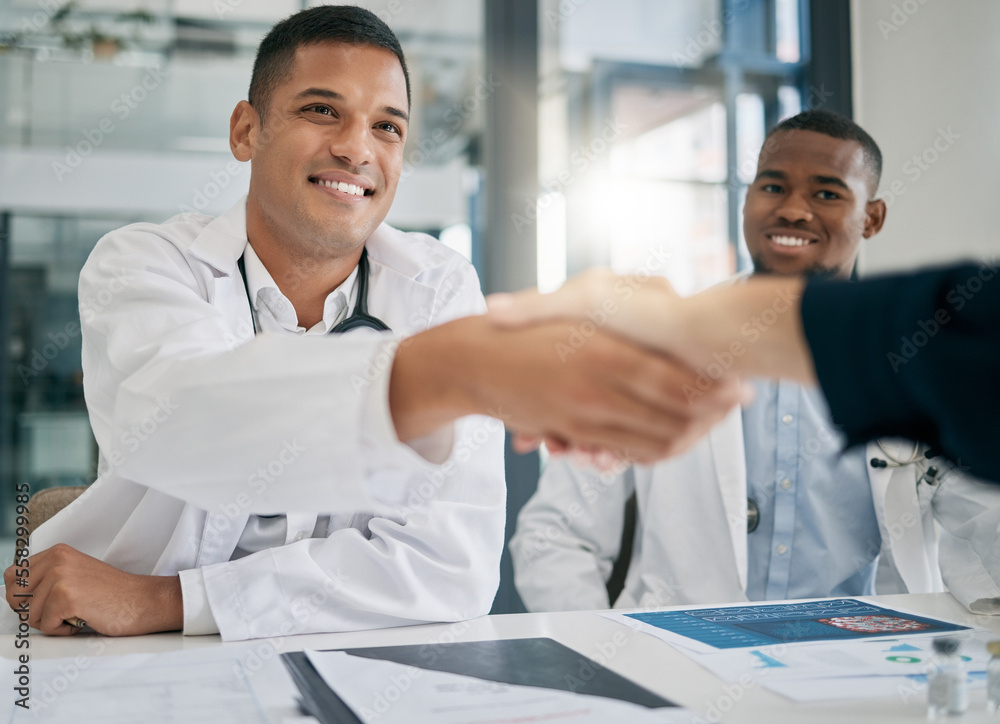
(392, 693)
(762, 624)
(831, 650)
(904, 688)
(209, 686)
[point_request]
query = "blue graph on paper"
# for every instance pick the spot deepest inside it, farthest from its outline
(763, 624)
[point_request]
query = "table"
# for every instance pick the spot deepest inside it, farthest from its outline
(640, 657)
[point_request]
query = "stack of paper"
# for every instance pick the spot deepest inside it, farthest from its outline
(388, 692)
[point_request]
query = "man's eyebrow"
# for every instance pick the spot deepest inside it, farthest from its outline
(321, 92)
(770, 173)
(396, 112)
(335, 96)
(824, 180)
(831, 181)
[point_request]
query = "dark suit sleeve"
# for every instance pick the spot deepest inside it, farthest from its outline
(914, 355)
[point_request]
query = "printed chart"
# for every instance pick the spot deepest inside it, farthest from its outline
(730, 627)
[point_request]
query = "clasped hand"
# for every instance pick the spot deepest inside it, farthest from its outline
(61, 583)
(676, 408)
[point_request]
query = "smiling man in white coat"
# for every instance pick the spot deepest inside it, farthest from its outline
(768, 506)
(262, 474)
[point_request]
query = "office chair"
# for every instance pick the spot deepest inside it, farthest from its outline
(46, 503)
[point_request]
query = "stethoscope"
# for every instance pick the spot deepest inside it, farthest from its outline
(930, 476)
(360, 318)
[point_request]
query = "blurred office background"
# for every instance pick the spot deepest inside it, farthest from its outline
(547, 136)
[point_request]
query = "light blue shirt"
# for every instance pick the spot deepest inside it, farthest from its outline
(818, 534)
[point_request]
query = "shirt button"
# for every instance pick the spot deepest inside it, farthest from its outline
(786, 483)
(787, 419)
(782, 549)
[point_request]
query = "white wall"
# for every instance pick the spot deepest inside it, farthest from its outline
(926, 72)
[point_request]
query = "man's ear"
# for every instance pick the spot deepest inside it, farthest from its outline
(875, 212)
(244, 125)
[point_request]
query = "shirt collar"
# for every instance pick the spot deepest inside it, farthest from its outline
(273, 309)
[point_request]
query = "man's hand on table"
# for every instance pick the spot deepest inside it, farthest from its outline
(66, 584)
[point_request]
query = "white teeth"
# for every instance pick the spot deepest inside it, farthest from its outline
(789, 241)
(346, 188)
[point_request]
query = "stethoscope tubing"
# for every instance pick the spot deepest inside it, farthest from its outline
(359, 319)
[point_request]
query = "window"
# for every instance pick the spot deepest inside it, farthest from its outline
(96, 135)
(652, 118)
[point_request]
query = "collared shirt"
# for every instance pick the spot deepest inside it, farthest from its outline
(275, 314)
(818, 533)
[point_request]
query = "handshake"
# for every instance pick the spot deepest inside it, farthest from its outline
(622, 368)
(684, 372)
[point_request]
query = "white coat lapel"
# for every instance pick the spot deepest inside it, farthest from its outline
(395, 293)
(900, 519)
(729, 458)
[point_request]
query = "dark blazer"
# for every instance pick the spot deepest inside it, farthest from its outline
(913, 355)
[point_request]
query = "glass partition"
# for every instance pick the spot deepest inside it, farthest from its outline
(116, 111)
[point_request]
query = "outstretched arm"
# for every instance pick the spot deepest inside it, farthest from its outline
(752, 328)
(571, 382)
(913, 355)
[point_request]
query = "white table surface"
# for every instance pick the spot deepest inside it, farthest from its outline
(641, 658)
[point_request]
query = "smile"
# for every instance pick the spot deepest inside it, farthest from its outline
(791, 240)
(352, 189)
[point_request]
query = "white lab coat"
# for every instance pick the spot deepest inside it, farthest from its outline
(690, 545)
(200, 424)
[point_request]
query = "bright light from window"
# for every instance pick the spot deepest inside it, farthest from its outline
(749, 134)
(459, 238)
(789, 101)
(551, 246)
(786, 14)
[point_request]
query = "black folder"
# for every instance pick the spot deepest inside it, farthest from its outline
(538, 662)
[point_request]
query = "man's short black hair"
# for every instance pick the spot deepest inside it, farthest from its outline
(837, 126)
(323, 24)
